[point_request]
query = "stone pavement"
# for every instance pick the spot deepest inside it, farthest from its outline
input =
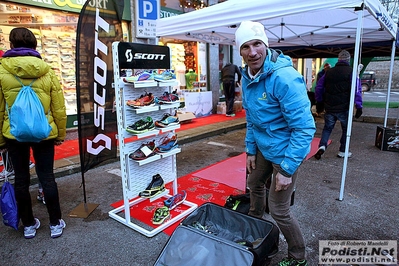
(368, 210)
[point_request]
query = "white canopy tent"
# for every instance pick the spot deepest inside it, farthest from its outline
(300, 28)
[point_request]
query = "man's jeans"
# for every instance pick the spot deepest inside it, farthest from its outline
(279, 204)
(329, 122)
(229, 94)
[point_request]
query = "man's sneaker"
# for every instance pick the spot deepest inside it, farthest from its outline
(146, 150)
(292, 262)
(167, 120)
(142, 76)
(167, 98)
(5, 173)
(320, 152)
(160, 215)
(56, 230)
(166, 75)
(156, 187)
(141, 126)
(30, 231)
(167, 144)
(175, 200)
(342, 154)
(143, 101)
(230, 115)
(40, 196)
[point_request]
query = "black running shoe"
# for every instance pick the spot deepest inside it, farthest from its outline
(156, 186)
(141, 126)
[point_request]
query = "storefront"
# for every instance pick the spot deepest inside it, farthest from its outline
(54, 24)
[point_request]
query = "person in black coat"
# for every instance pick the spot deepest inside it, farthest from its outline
(229, 72)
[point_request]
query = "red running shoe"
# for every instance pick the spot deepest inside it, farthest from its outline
(144, 100)
(145, 151)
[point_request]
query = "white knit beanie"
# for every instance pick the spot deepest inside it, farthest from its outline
(344, 56)
(249, 30)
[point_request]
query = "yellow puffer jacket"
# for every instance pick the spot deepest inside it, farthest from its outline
(47, 87)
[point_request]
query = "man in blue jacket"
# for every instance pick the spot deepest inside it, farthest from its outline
(280, 128)
(334, 91)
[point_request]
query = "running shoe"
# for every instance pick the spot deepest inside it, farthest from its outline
(167, 144)
(166, 75)
(175, 200)
(40, 197)
(8, 174)
(167, 98)
(144, 100)
(145, 151)
(56, 230)
(141, 126)
(160, 215)
(292, 262)
(167, 120)
(341, 154)
(30, 231)
(320, 152)
(142, 76)
(156, 187)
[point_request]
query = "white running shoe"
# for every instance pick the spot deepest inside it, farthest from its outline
(342, 154)
(56, 230)
(30, 231)
(5, 173)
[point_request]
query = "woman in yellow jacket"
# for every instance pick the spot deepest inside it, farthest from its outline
(24, 62)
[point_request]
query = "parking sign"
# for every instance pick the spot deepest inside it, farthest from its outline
(147, 12)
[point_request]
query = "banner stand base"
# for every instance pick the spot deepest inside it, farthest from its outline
(83, 210)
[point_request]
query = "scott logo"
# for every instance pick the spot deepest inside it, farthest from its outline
(129, 56)
(149, 56)
(142, 56)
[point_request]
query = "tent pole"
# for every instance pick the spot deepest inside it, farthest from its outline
(389, 82)
(352, 99)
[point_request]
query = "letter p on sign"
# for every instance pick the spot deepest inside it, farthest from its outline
(148, 9)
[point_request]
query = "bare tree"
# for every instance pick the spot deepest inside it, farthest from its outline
(392, 8)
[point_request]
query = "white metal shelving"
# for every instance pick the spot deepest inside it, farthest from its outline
(136, 175)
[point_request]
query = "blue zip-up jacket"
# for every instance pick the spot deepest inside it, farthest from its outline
(279, 120)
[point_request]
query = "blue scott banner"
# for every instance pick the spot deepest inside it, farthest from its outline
(99, 26)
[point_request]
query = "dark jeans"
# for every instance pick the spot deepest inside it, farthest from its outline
(229, 90)
(278, 202)
(43, 153)
(329, 122)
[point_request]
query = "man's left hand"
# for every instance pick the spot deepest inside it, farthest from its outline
(282, 182)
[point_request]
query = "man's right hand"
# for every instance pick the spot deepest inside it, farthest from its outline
(250, 163)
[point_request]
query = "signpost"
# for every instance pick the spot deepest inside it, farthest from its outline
(147, 13)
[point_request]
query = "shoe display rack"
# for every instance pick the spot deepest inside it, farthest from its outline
(138, 174)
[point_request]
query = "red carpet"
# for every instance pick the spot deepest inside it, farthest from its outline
(207, 120)
(67, 149)
(198, 190)
(314, 147)
(230, 172)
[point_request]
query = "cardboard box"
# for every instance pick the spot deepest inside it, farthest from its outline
(185, 117)
(387, 139)
(221, 109)
(237, 106)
